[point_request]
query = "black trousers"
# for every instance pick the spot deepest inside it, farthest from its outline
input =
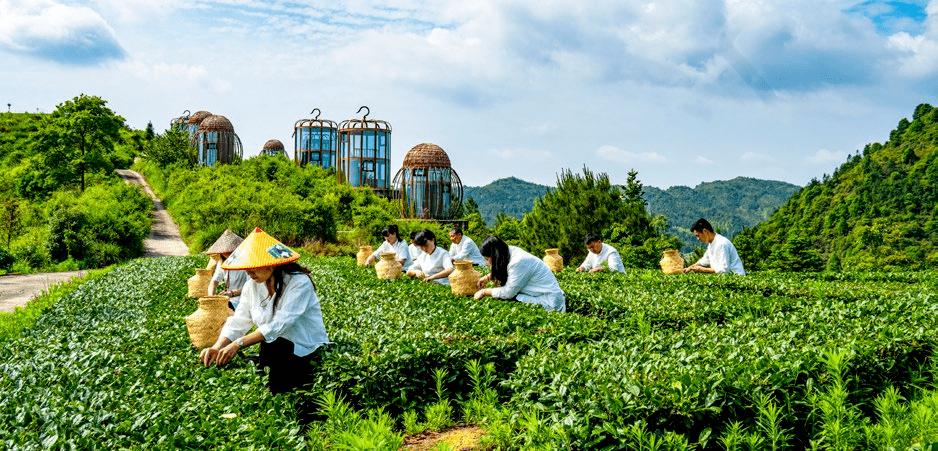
(287, 371)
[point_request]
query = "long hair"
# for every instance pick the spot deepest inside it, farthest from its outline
(496, 249)
(279, 271)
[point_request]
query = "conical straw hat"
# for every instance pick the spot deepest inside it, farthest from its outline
(227, 242)
(260, 250)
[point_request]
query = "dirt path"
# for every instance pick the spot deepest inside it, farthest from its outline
(18, 289)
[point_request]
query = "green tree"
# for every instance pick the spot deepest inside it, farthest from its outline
(509, 229)
(578, 205)
(172, 147)
(77, 139)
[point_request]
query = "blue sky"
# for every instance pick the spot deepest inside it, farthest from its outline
(683, 91)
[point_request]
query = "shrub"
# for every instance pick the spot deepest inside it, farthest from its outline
(6, 259)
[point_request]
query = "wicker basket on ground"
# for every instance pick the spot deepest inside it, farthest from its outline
(388, 267)
(672, 262)
(205, 324)
(463, 279)
(553, 259)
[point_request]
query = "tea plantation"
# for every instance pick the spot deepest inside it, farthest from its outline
(640, 360)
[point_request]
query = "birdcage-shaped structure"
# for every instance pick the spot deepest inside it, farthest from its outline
(273, 148)
(195, 120)
(217, 142)
(180, 123)
(315, 141)
(428, 186)
(365, 153)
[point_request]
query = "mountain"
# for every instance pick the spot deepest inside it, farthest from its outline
(879, 210)
(729, 205)
(511, 196)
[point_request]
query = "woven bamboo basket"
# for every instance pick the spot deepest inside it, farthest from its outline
(388, 267)
(363, 253)
(213, 261)
(672, 262)
(205, 323)
(198, 284)
(553, 259)
(463, 279)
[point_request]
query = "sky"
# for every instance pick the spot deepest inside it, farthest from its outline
(681, 91)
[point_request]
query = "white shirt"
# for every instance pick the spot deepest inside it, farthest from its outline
(234, 279)
(466, 250)
(721, 255)
(531, 281)
(414, 251)
(298, 317)
(399, 248)
(430, 264)
(607, 253)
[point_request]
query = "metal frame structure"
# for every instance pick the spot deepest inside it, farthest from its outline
(195, 120)
(217, 142)
(180, 122)
(428, 186)
(274, 148)
(315, 141)
(365, 153)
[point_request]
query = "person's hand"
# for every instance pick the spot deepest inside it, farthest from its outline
(599, 269)
(580, 269)
(691, 268)
(479, 294)
(482, 281)
(226, 354)
(208, 355)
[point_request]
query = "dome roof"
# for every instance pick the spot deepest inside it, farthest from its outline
(197, 117)
(273, 144)
(216, 123)
(426, 155)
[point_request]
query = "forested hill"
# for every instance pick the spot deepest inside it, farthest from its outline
(729, 205)
(876, 211)
(511, 196)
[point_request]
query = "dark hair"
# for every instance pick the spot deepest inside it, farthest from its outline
(423, 236)
(279, 271)
(701, 225)
(590, 237)
(413, 235)
(497, 250)
(456, 229)
(391, 230)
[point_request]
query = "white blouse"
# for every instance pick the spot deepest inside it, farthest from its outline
(606, 254)
(399, 248)
(531, 281)
(436, 262)
(298, 317)
(721, 255)
(466, 250)
(234, 279)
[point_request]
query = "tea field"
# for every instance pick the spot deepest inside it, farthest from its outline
(640, 361)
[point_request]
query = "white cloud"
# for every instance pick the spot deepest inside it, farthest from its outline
(58, 32)
(920, 53)
(757, 157)
(169, 73)
(617, 155)
(703, 160)
(137, 10)
(824, 156)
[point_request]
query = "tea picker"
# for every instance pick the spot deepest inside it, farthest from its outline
(234, 279)
(521, 275)
(280, 299)
(598, 254)
(721, 256)
(392, 243)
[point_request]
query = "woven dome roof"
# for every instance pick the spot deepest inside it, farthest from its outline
(426, 155)
(216, 123)
(273, 144)
(197, 117)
